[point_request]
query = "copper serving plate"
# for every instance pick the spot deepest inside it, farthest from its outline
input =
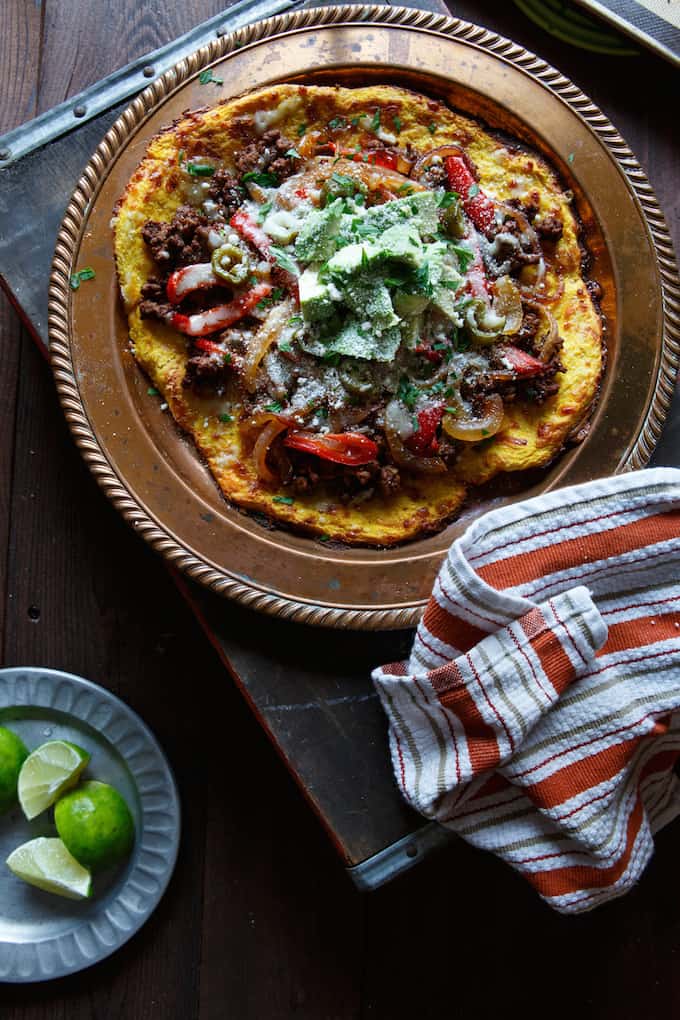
(153, 474)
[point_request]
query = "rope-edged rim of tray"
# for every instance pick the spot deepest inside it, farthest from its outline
(220, 581)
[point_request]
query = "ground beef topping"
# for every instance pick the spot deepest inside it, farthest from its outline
(227, 192)
(549, 227)
(181, 242)
(268, 154)
(205, 368)
(531, 323)
(154, 303)
(434, 176)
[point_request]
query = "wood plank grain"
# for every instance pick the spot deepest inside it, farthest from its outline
(19, 35)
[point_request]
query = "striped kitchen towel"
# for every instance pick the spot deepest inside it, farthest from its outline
(538, 715)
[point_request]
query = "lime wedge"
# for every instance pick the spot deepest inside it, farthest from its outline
(13, 753)
(47, 864)
(47, 772)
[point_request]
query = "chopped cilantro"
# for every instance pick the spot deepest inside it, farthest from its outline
(432, 128)
(227, 358)
(473, 190)
(265, 180)
(437, 387)
(464, 255)
(206, 78)
(375, 122)
(355, 120)
(284, 345)
(180, 156)
(485, 432)
(415, 423)
(296, 320)
(275, 296)
(337, 124)
(359, 199)
(200, 169)
(449, 284)
(225, 418)
(344, 185)
(152, 391)
(364, 259)
(284, 260)
(263, 211)
(324, 538)
(452, 410)
(332, 359)
(407, 393)
(293, 154)
(275, 407)
(81, 274)
(406, 189)
(301, 130)
(421, 280)
(448, 198)
(313, 408)
(397, 123)
(440, 347)
(570, 157)
(288, 500)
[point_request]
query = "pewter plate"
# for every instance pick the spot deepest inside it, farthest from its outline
(41, 935)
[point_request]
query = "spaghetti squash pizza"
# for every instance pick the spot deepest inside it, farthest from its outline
(358, 302)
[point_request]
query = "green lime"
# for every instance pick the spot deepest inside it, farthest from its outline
(47, 772)
(47, 864)
(13, 753)
(95, 824)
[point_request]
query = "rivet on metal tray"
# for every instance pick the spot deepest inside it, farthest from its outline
(148, 71)
(411, 851)
(79, 111)
(5, 153)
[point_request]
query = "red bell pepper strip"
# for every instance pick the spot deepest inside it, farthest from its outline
(435, 357)
(523, 365)
(375, 157)
(224, 315)
(244, 225)
(350, 448)
(477, 205)
(209, 346)
(424, 441)
(190, 278)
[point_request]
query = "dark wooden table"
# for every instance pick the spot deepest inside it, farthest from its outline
(260, 920)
